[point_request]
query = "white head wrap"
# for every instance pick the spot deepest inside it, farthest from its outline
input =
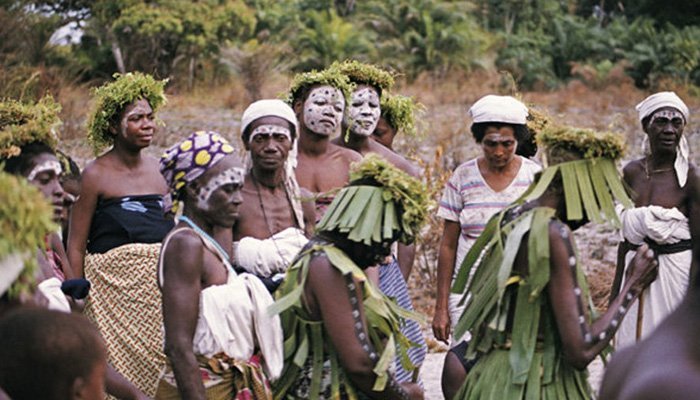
(269, 108)
(659, 100)
(647, 108)
(492, 108)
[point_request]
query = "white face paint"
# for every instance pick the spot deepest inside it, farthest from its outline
(274, 131)
(141, 107)
(233, 176)
(47, 166)
(668, 115)
(323, 110)
(363, 114)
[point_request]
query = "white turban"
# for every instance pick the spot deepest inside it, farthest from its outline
(660, 100)
(491, 108)
(269, 108)
(668, 99)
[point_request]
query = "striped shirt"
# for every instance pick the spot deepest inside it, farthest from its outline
(470, 201)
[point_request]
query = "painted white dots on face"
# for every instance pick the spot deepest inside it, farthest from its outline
(323, 110)
(363, 114)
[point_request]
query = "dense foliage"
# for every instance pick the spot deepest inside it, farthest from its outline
(541, 43)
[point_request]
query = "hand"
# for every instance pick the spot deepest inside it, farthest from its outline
(441, 325)
(643, 269)
(414, 391)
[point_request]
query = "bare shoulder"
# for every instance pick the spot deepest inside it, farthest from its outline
(181, 246)
(344, 153)
(634, 167)
(396, 159)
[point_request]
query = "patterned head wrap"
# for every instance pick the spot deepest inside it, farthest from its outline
(190, 158)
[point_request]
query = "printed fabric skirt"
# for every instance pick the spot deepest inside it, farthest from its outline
(125, 304)
(491, 378)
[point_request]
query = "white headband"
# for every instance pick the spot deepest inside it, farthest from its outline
(492, 108)
(660, 100)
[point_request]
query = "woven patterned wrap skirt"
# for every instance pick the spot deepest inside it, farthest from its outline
(125, 304)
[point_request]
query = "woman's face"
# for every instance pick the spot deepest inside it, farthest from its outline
(323, 110)
(363, 112)
(498, 146)
(137, 125)
(45, 174)
(665, 128)
(218, 191)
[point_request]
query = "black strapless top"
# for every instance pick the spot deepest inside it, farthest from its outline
(130, 219)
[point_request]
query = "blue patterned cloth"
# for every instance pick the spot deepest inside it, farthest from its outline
(393, 285)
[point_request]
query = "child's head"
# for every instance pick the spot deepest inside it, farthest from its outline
(51, 355)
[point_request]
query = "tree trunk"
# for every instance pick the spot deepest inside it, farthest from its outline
(190, 77)
(116, 52)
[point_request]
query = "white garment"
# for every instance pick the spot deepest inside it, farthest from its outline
(492, 108)
(663, 226)
(233, 318)
(266, 257)
(51, 290)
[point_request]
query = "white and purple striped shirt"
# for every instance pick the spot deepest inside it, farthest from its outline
(469, 200)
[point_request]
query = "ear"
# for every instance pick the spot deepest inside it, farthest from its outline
(192, 190)
(298, 107)
(246, 144)
(77, 389)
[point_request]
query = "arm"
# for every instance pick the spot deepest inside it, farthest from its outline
(182, 270)
(582, 343)
(121, 388)
(57, 247)
(80, 221)
(694, 219)
(327, 286)
(445, 270)
(406, 256)
(309, 210)
(622, 250)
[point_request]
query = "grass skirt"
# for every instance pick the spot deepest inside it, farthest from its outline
(491, 378)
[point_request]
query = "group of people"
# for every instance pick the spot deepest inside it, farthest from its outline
(204, 275)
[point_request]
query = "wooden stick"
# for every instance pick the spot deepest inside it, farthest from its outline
(640, 315)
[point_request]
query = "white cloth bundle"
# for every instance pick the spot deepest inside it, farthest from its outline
(269, 256)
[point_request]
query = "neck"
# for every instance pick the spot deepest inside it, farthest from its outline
(660, 160)
(130, 157)
(356, 142)
(312, 143)
(199, 221)
(271, 179)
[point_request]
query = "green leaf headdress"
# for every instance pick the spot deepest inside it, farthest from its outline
(24, 123)
(381, 204)
(113, 97)
(328, 77)
(367, 74)
(400, 112)
(585, 160)
(25, 219)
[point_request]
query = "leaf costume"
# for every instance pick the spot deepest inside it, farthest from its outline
(515, 338)
(379, 206)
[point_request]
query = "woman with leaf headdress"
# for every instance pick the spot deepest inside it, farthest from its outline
(533, 330)
(117, 225)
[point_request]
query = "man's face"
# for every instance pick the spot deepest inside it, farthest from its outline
(218, 191)
(498, 145)
(323, 110)
(363, 113)
(45, 174)
(269, 142)
(137, 125)
(665, 128)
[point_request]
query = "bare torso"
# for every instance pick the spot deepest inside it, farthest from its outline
(330, 170)
(264, 211)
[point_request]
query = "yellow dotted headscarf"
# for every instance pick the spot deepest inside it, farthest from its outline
(190, 158)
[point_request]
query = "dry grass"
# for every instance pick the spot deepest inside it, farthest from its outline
(445, 141)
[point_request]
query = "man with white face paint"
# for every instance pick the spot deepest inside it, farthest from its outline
(273, 222)
(663, 189)
(318, 100)
(216, 322)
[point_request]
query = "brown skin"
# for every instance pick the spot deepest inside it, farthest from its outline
(384, 134)
(327, 299)
(661, 188)
(499, 166)
(265, 184)
(666, 365)
(122, 171)
(322, 166)
(189, 268)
